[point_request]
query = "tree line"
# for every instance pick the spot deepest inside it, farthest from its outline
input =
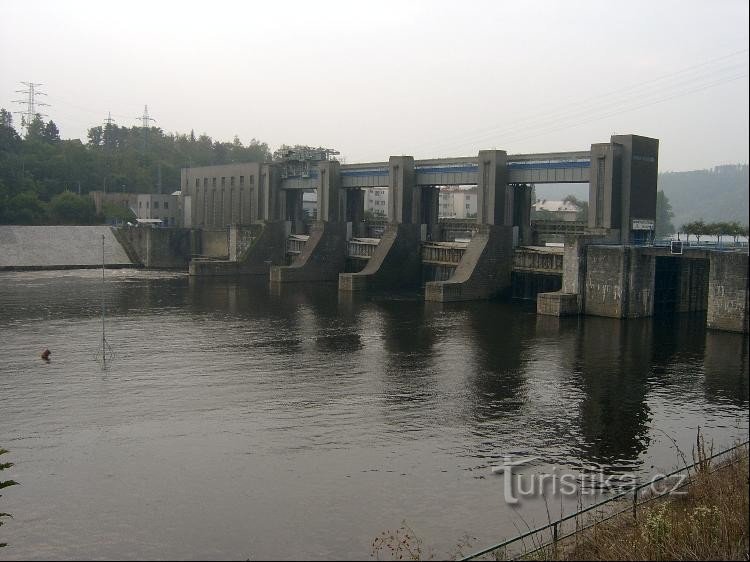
(719, 229)
(42, 175)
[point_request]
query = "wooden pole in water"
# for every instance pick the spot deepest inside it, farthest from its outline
(104, 340)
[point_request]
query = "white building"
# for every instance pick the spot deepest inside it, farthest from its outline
(458, 202)
(376, 200)
(557, 210)
(160, 207)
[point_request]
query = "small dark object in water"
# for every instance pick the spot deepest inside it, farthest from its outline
(45, 354)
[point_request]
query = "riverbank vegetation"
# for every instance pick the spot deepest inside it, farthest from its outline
(719, 229)
(708, 522)
(5, 484)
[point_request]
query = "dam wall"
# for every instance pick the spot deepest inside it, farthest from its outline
(60, 247)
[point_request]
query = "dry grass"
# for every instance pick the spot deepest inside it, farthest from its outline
(709, 522)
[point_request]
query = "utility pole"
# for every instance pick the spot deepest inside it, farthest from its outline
(31, 103)
(145, 120)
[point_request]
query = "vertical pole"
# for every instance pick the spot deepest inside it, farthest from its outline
(635, 503)
(554, 539)
(104, 350)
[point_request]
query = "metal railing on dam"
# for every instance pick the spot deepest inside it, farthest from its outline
(538, 259)
(361, 248)
(295, 243)
(565, 228)
(443, 253)
(526, 259)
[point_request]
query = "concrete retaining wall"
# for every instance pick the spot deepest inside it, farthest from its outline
(60, 247)
(157, 248)
(557, 304)
(267, 249)
(215, 243)
(728, 292)
(619, 282)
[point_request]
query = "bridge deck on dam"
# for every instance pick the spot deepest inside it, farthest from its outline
(50, 247)
(567, 167)
(556, 167)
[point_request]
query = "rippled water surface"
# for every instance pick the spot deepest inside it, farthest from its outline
(244, 421)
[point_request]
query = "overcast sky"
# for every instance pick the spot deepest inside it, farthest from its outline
(373, 79)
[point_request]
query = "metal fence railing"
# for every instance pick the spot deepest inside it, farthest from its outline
(553, 529)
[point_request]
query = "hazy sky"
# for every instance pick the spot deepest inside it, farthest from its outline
(374, 79)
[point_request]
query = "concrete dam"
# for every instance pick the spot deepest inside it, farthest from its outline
(60, 247)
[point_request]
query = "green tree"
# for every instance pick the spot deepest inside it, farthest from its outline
(6, 118)
(23, 208)
(696, 228)
(583, 206)
(69, 208)
(664, 216)
(51, 133)
(5, 484)
(113, 213)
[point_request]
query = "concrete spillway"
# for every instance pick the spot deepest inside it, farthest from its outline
(52, 247)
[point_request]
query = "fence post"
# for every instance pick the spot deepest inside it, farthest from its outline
(554, 539)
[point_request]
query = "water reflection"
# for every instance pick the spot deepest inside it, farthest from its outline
(498, 379)
(613, 366)
(726, 368)
(297, 395)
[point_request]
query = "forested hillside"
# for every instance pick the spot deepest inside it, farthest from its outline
(36, 168)
(717, 195)
(714, 195)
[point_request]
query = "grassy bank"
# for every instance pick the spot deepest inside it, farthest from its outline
(708, 522)
(704, 518)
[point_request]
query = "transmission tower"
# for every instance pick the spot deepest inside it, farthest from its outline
(109, 121)
(145, 119)
(31, 103)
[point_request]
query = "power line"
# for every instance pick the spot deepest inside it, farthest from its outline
(584, 107)
(603, 111)
(633, 108)
(31, 103)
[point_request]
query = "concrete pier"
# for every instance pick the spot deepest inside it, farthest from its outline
(395, 263)
(322, 258)
(484, 270)
(728, 293)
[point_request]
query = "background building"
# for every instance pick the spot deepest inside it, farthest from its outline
(376, 201)
(547, 209)
(160, 207)
(458, 202)
(221, 195)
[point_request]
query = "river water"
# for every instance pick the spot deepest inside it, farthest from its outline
(245, 421)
